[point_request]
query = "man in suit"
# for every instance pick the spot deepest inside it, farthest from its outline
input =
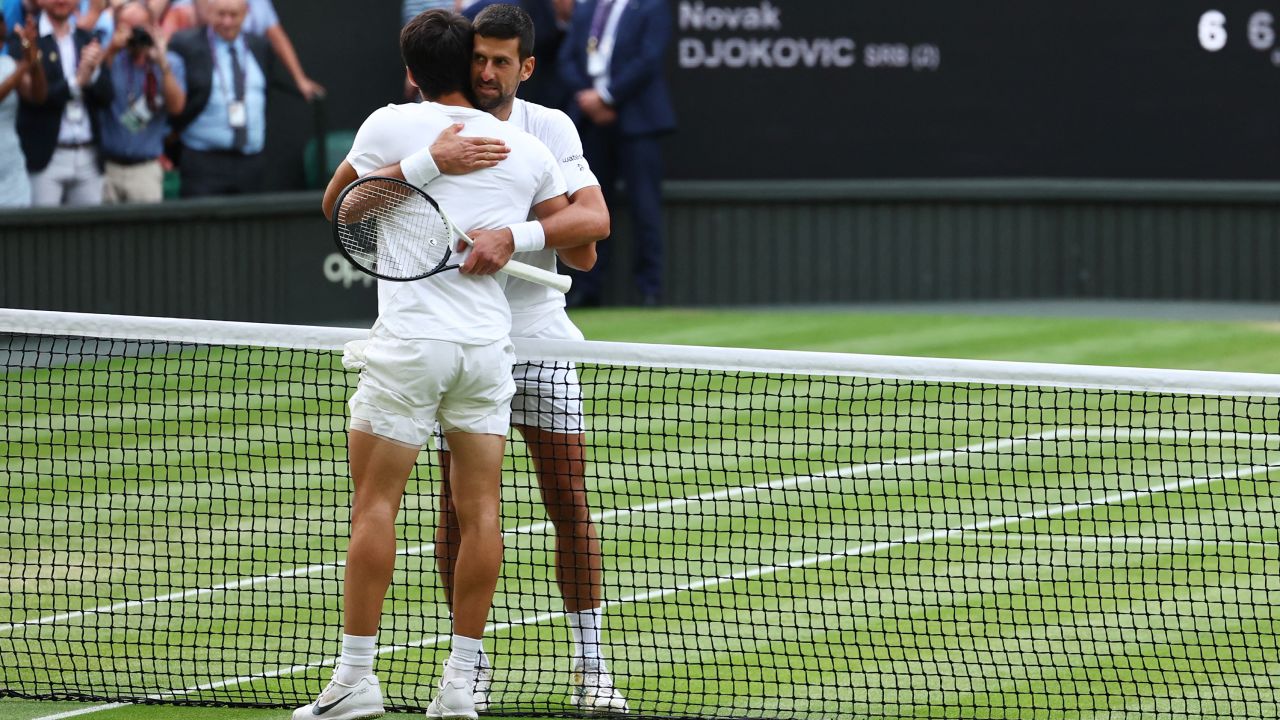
(613, 62)
(223, 127)
(60, 137)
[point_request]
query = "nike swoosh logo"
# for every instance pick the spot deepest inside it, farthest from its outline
(319, 709)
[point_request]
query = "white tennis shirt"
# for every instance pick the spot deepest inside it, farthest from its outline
(466, 309)
(534, 306)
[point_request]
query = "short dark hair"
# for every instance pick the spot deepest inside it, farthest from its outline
(436, 47)
(503, 22)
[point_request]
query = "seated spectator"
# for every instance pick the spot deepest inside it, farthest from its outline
(147, 93)
(223, 127)
(60, 135)
(23, 77)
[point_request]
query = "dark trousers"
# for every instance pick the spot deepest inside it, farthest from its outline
(637, 160)
(221, 173)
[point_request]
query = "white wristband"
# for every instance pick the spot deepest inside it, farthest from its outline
(419, 168)
(529, 236)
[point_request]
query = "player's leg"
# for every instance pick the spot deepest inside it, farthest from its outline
(398, 391)
(447, 539)
(447, 535)
(559, 462)
(475, 482)
(547, 410)
(380, 468)
(475, 415)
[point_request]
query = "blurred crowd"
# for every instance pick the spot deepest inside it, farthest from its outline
(108, 101)
(100, 98)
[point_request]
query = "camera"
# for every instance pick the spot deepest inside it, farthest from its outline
(140, 39)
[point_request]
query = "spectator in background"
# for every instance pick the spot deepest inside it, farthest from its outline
(180, 15)
(146, 94)
(264, 21)
(261, 20)
(613, 62)
(550, 18)
(223, 127)
(60, 134)
(21, 77)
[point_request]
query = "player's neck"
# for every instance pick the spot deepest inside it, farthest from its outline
(503, 113)
(455, 99)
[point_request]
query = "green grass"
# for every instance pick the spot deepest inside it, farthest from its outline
(937, 572)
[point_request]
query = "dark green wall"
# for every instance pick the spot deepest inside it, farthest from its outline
(270, 258)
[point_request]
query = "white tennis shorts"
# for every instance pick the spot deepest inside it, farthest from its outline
(406, 386)
(548, 396)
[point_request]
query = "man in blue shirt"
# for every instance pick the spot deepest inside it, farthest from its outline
(223, 127)
(134, 125)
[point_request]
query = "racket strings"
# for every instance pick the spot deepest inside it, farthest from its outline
(392, 230)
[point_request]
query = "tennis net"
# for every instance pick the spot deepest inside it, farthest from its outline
(785, 535)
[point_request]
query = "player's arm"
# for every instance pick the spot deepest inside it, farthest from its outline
(492, 249)
(342, 177)
(449, 154)
(575, 230)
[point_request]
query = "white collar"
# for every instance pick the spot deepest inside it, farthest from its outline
(46, 25)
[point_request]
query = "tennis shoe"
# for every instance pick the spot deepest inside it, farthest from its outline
(593, 691)
(345, 702)
(455, 700)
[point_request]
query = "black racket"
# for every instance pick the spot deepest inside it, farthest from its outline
(395, 231)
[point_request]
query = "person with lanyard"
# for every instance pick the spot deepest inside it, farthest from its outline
(223, 126)
(613, 61)
(59, 133)
(146, 93)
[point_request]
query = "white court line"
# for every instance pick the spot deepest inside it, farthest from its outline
(752, 573)
(82, 711)
(543, 526)
(1098, 542)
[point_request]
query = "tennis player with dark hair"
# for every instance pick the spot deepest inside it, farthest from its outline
(547, 407)
(439, 351)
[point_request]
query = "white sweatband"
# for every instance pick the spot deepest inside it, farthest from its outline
(528, 236)
(419, 168)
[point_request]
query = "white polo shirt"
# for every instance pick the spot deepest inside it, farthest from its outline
(466, 309)
(534, 306)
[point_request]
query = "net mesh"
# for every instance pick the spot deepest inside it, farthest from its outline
(794, 544)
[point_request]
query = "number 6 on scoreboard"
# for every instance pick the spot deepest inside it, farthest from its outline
(1213, 31)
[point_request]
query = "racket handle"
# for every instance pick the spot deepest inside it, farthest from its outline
(524, 271)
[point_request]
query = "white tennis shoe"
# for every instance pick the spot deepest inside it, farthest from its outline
(345, 702)
(455, 699)
(593, 691)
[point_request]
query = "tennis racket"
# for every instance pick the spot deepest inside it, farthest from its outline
(395, 231)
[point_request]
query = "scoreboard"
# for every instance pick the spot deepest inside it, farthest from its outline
(1158, 89)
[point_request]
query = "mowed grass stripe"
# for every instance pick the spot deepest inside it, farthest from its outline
(540, 527)
(799, 563)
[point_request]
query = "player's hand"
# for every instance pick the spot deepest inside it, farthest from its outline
(458, 155)
(492, 251)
